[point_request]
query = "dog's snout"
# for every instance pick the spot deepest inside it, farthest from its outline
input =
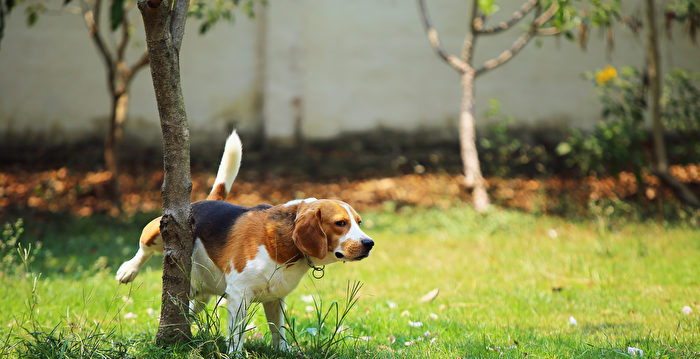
(339, 255)
(367, 243)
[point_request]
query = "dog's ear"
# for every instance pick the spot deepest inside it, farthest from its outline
(308, 235)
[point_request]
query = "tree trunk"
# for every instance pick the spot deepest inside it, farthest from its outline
(258, 140)
(120, 107)
(654, 72)
(467, 139)
(176, 224)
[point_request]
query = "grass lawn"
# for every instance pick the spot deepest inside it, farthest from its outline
(508, 282)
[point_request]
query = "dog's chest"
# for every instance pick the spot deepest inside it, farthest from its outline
(263, 279)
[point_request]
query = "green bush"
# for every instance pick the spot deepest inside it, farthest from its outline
(618, 142)
(681, 114)
(502, 153)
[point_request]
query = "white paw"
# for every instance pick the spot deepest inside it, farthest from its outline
(127, 272)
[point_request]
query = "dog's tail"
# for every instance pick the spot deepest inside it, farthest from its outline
(228, 168)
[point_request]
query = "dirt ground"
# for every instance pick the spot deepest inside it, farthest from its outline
(85, 192)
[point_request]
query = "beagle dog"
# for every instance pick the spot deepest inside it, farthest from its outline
(256, 254)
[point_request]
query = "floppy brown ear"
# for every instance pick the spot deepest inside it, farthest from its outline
(308, 235)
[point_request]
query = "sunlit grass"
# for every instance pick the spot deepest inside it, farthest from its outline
(508, 283)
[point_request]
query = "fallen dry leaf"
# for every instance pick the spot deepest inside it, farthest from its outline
(82, 192)
(429, 296)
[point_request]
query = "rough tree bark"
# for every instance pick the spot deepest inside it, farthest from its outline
(119, 77)
(164, 30)
(658, 130)
(465, 66)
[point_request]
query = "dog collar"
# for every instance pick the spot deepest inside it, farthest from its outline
(318, 272)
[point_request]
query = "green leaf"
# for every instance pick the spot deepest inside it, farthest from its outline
(488, 7)
(204, 27)
(116, 14)
(32, 17)
(563, 149)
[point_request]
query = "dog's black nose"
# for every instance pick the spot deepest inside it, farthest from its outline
(367, 242)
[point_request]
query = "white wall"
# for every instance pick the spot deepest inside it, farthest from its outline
(351, 65)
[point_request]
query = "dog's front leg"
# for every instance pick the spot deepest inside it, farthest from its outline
(275, 320)
(237, 307)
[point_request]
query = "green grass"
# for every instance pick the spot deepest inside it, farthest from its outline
(508, 283)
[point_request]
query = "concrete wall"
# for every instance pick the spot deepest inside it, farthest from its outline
(326, 66)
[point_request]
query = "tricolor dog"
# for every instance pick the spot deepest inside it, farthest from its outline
(256, 254)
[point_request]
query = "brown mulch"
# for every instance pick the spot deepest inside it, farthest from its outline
(84, 193)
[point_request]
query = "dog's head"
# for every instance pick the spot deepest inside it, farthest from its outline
(329, 228)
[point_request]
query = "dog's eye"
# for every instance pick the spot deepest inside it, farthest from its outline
(341, 223)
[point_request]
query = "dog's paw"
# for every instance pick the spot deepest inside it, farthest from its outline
(127, 272)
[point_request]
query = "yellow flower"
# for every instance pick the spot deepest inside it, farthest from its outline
(605, 75)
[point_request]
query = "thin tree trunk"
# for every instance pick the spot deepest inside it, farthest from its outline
(176, 224)
(654, 72)
(260, 75)
(120, 108)
(467, 140)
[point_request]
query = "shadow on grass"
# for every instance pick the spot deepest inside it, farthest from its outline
(70, 246)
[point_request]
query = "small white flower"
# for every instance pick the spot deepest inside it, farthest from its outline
(130, 315)
(416, 324)
(408, 343)
(307, 298)
(572, 321)
(127, 300)
(309, 308)
(552, 233)
(427, 333)
(432, 341)
(391, 305)
(392, 339)
(635, 351)
(433, 316)
(150, 311)
(365, 338)
(687, 310)
(405, 313)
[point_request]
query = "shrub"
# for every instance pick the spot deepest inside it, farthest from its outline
(502, 153)
(618, 142)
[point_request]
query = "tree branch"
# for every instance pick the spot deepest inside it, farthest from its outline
(178, 17)
(127, 73)
(468, 45)
(520, 43)
(548, 31)
(432, 34)
(505, 25)
(141, 63)
(121, 47)
(92, 20)
(682, 191)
